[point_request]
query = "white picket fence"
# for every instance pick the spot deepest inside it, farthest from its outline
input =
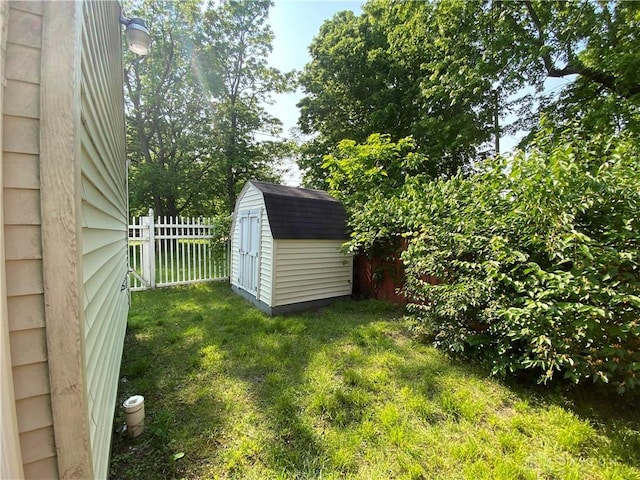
(165, 251)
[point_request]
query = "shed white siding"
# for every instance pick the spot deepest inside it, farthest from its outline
(251, 199)
(308, 270)
(301, 260)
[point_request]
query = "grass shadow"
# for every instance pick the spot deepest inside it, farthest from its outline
(341, 392)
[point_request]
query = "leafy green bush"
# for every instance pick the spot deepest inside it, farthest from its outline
(373, 175)
(538, 257)
(221, 235)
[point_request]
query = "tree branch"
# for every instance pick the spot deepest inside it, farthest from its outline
(574, 66)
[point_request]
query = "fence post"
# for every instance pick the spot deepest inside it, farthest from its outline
(149, 249)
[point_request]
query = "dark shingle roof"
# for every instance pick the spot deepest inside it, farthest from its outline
(301, 213)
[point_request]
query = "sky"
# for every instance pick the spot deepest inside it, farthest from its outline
(295, 23)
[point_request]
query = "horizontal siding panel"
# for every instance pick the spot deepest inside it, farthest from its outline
(24, 277)
(103, 259)
(265, 293)
(108, 281)
(105, 174)
(22, 99)
(28, 346)
(107, 388)
(104, 220)
(95, 218)
(110, 330)
(317, 269)
(97, 309)
(310, 256)
(104, 388)
(297, 268)
(20, 134)
(45, 469)
(31, 380)
(310, 270)
(26, 28)
(101, 290)
(310, 296)
(34, 413)
(310, 264)
(306, 245)
(23, 242)
(103, 199)
(101, 152)
(102, 370)
(37, 444)
(22, 63)
(99, 82)
(21, 170)
(252, 199)
(31, 6)
(94, 239)
(266, 275)
(26, 312)
(21, 206)
(316, 284)
(104, 343)
(291, 281)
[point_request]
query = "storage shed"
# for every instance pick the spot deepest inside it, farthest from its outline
(63, 236)
(286, 248)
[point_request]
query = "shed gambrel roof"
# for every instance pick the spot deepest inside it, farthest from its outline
(301, 213)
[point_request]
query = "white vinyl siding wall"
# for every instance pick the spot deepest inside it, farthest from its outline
(104, 219)
(251, 199)
(309, 270)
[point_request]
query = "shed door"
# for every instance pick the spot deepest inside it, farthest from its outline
(249, 250)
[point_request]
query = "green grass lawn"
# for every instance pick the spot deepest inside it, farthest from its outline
(344, 392)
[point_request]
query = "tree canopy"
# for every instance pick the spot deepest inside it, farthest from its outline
(534, 255)
(458, 75)
(196, 104)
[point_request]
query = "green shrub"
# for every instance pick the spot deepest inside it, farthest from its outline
(538, 258)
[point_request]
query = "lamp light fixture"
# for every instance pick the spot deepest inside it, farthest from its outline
(137, 34)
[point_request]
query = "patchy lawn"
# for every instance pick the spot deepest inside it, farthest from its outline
(344, 392)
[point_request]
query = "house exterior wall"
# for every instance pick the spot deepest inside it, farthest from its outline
(63, 231)
(251, 199)
(22, 239)
(104, 220)
(308, 270)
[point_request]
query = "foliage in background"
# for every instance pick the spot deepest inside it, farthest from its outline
(538, 258)
(196, 104)
(539, 261)
(231, 61)
(452, 73)
(221, 235)
(167, 118)
(370, 175)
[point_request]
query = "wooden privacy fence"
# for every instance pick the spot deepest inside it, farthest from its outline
(165, 251)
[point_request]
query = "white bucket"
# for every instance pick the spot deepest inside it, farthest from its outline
(134, 414)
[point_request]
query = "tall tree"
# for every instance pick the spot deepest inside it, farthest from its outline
(450, 72)
(196, 106)
(167, 119)
(232, 58)
(597, 43)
